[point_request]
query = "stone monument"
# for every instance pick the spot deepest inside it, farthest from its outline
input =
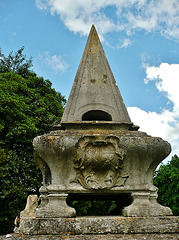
(95, 151)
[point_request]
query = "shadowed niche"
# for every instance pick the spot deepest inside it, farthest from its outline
(96, 115)
(99, 205)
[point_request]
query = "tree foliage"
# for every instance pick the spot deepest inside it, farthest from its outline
(29, 106)
(167, 180)
(94, 208)
(15, 62)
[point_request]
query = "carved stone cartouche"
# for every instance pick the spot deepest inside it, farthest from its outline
(99, 161)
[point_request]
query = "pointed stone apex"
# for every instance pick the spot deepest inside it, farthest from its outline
(93, 30)
(95, 95)
(93, 27)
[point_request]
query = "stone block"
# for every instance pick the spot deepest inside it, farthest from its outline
(98, 225)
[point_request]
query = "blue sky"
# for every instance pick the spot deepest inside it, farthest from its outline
(140, 39)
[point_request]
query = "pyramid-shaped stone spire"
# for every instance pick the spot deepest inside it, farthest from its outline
(95, 95)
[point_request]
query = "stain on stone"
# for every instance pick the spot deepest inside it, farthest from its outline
(93, 80)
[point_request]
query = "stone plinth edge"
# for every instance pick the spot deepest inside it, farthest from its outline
(154, 236)
(98, 225)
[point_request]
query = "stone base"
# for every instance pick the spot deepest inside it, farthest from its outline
(56, 207)
(98, 225)
(108, 236)
(144, 205)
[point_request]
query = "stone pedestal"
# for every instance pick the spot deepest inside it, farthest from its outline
(106, 159)
(56, 207)
(145, 204)
(97, 151)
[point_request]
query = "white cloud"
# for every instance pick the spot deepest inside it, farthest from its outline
(124, 43)
(166, 78)
(129, 15)
(54, 62)
(166, 123)
(79, 15)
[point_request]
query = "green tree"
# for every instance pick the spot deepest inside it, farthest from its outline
(29, 106)
(94, 208)
(167, 180)
(15, 62)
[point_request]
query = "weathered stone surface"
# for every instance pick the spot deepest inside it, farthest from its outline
(56, 207)
(145, 205)
(160, 236)
(111, 161)
(95, 94)
(31, 205)
(99, 225)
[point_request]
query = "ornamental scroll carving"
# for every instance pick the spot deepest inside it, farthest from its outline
(99, 162)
